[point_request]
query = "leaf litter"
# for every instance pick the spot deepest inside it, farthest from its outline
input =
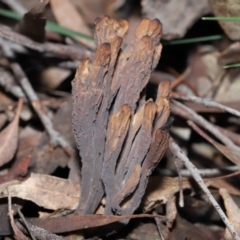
(108, 157)
(9, 137)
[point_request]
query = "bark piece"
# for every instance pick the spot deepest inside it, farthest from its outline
(33, 22)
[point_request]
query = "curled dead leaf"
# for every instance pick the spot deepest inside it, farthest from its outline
(9, 138)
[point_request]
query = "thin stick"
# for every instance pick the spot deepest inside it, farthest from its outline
(26, 224)
(161, 228)
(208, 172)
(72, 51)
(181, 201)
(10, 85)
(189, 114)
(17, 232)
(55, 137)
(194, 171)
(235, 137)
(206, 102)
(181, 78)
(227, 176)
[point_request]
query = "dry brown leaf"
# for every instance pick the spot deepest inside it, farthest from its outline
(46, 191)
(78, 222)
(9, 138)
(160, 190)
(182, 15)
(227, 8)
(68, 16)
(233, 212)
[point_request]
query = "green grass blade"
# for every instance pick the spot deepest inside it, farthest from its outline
(65, 31)
(49, 25)
(232, 65)
(10, 14)
(229, 19)
(193, 40)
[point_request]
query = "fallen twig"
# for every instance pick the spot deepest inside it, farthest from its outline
(235, 137)
(181, 199)
(26, 224)
(18, 234)
(206, 102)
(9, 84)
(187, 113)
(181, 78)
(74, 52)
(208, 172)
(194, 172)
